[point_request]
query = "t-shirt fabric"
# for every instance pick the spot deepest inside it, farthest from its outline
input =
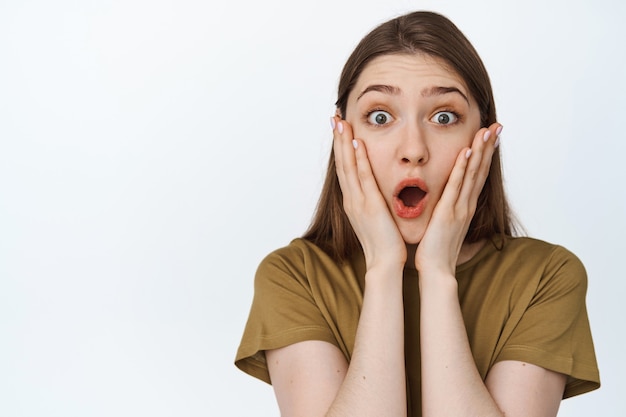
(522, 299)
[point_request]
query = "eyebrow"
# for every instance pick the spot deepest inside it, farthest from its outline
(381, 88)
(427, 92)
(439, 91)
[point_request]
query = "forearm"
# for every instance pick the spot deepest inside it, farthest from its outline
(451, 384)
(375, 383)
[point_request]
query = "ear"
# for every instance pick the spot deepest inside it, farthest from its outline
(338, 113)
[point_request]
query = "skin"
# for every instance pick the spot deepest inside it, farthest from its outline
(412, 144)
(313, 378)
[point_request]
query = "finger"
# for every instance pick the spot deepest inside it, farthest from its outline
(345, 159)
(338, 148)
(485, 148)
(364, 169)
(489, 150)
(452, 189)
(338, 152)
(472, 171)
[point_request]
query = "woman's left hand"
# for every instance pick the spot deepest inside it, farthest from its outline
(439, 249)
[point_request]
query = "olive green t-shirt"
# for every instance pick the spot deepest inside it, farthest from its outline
(522, 299)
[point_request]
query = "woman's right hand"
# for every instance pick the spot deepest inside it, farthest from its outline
(363, 202)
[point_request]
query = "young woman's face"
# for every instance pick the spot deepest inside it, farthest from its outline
(415, 116)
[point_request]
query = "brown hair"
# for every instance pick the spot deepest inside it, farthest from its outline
(434, 35)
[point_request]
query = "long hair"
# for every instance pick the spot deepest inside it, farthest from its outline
(431, 34)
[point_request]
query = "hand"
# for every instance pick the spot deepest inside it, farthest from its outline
(439, 249)
(363, 202)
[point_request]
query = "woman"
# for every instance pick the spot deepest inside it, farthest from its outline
(409, 295)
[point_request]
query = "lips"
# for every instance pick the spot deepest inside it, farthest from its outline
(410, 198)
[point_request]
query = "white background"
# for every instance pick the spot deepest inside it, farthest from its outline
(152, 152)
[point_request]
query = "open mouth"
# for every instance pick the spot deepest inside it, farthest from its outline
(411, 196)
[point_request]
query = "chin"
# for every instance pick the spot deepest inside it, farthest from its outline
(412, 237)
(412, 230)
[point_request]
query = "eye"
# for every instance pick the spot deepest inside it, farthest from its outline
(444, 118)
(379, 117)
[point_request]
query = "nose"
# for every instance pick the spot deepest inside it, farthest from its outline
(413, 148)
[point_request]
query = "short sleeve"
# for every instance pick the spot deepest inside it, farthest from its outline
(554, 331)
(283, 312)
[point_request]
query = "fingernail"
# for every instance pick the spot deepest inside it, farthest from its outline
(340, 127)
(332, 123)
(487, 135)
(499, 130)
(468, 153)
(497, 142)
(355, 143)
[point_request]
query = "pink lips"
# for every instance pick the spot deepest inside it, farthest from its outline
(409, 212)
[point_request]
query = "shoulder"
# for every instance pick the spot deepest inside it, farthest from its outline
(284, 264)
(295, 257)
(543, 251)
(532, 247)
(551, 265)
(525, 251)
(306, 263)
(297, 250)
(546, 317)
(523, 265)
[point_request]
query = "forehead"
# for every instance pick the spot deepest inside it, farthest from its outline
(407, 71)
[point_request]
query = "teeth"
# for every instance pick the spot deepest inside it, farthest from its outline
(411, 196)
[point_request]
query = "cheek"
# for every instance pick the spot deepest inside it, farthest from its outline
(379, 156)
(443, 162)
(379, 153)
(454, 145)
(444, 168)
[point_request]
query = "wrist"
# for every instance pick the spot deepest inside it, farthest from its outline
(438, 281)
(390, 259)
(384, 273)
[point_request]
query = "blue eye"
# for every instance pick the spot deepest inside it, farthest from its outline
(379, 117)
(444, 118)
